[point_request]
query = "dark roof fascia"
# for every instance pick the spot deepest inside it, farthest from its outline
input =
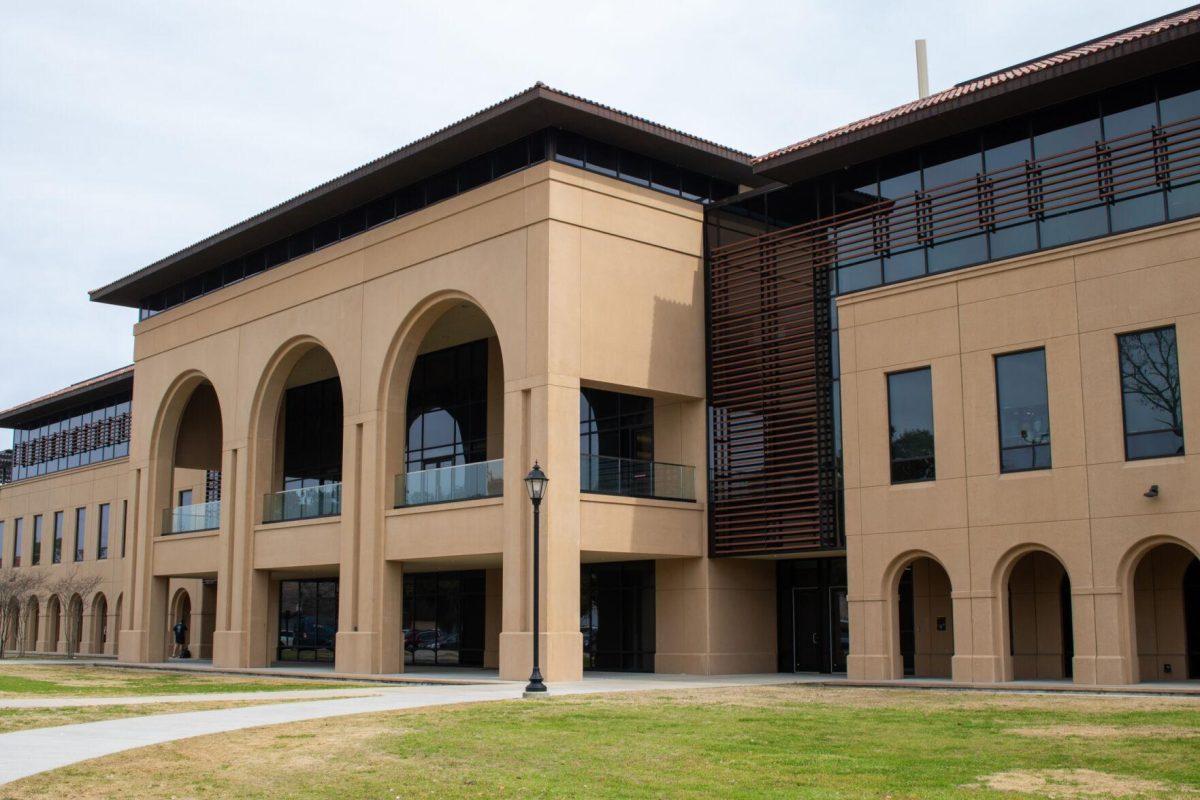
(110, 384)
(1057, 83)
(532, 110)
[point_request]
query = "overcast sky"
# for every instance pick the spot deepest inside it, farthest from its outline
(129, 130)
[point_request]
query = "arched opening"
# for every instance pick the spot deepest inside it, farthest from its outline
(53, 623)
(178, 638)
(1166, 605)
(305, 453)
(117, 626)
(12, 624)
(193, 489)
(924, 620)
(31, 624)
(453, 437)
(1040, 630)
(99, 623)
(444, 400)
(74, 628)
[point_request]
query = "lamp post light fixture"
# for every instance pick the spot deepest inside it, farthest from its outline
(535, 482)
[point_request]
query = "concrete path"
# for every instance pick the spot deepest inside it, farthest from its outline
(25, 753)
(194, 697)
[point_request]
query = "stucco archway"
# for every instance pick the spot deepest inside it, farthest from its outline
(1036, 615)
(99, 633)
(920, 616)
(1160, 579)
(422, 431)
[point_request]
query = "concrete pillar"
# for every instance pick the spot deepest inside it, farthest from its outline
(542, 423)
(492, 604)
(236, 506)
(715, 616)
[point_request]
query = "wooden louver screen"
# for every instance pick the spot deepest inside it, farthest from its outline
(771, 420)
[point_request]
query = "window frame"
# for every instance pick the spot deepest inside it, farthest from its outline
(887, 377)
(1000, 448)
(1121, 389)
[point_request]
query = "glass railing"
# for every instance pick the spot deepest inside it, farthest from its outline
(449, 484)
(307, 503)
(190, 519)
(633, 478)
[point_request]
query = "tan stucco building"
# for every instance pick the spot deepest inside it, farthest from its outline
(910, 398)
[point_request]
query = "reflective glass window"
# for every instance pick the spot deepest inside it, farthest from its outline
(102, 533)
(910, 425)
(1024, 412)
(1150, 393)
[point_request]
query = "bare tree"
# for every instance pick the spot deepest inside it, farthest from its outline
(16, 587)
(65, 587)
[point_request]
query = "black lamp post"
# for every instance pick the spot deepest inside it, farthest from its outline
(535, 482)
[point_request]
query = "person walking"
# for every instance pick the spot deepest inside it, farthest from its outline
(180, 631)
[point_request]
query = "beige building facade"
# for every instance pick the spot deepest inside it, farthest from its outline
(909, 399)
(993, 550)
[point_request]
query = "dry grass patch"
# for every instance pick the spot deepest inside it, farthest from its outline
(1080, 783)
(1109, 732)
(76, 680)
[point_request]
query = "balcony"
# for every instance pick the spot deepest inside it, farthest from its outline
(450, 484)
(310, 502)
(630, 477)
(192, 519)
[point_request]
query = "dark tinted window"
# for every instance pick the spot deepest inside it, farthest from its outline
(1024, 411)
(56, 551)
(36, 556)
(80, 532)
(447, 408)
(102, 533)
(1150, 393)
(910, 425)
(18, 524)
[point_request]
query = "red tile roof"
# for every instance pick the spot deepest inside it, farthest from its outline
(1191, 15)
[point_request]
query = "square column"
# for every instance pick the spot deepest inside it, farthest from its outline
(542, 424)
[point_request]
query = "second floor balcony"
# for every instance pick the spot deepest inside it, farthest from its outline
(192, 518)
(630, 477)
(309, 502)
(450, 484)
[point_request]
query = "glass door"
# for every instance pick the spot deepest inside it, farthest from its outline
(839, 641)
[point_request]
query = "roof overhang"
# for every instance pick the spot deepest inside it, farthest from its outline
(110, 384)
(966, 109)
(536, 108)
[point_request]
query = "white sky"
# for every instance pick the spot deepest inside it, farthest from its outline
(129, 130)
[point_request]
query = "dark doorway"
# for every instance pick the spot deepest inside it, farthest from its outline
(444, 618)
(616, 616)
(806, 611)
(1067, 627)
(908, 622)
(813, 614)
(1191, 614)
(308, 619)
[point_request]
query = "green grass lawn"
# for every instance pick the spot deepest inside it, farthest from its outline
(785, 742)
(38, 680)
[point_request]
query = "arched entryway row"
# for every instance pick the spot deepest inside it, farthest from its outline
(1038, 624)
(922, 618)
(73, 633)
(1163, 587)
